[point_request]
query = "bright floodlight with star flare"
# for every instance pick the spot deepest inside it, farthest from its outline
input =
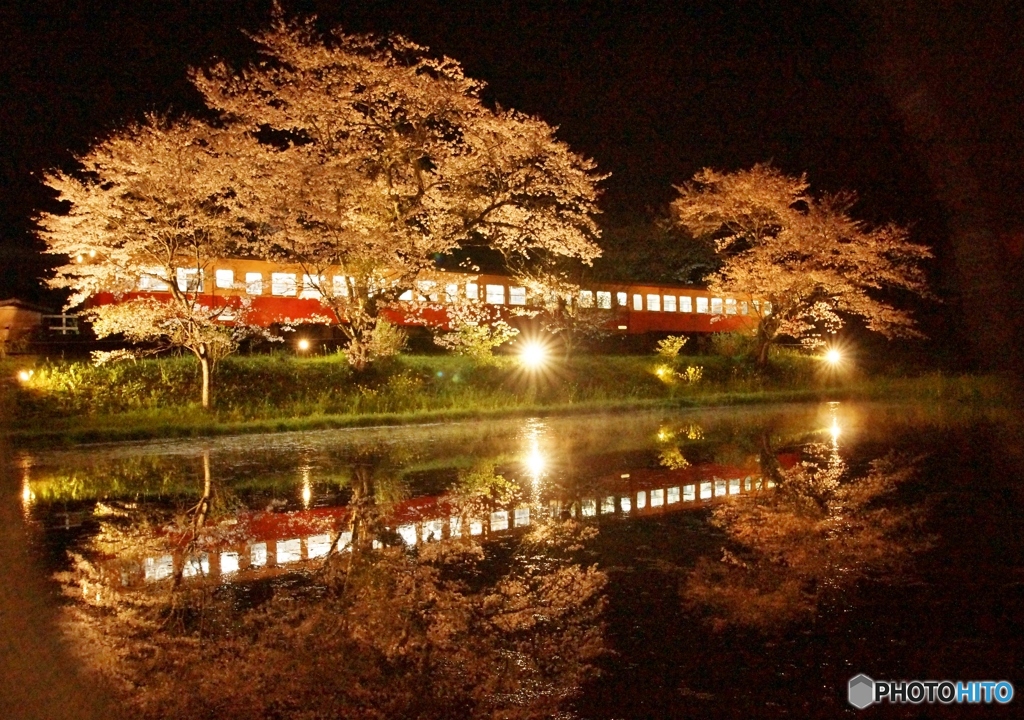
(533, 355)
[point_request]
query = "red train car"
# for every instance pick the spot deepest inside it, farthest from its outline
(275, 294)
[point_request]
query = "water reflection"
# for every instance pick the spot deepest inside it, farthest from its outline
(412, 571)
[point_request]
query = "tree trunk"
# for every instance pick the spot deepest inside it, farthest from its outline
(204, 362)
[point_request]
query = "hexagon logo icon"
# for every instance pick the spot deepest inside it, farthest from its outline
(861, 691)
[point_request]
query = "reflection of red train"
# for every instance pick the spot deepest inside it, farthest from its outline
(262, 542)
(276, 294)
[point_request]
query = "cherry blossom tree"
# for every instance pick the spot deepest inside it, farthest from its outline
(375, 157)
(148, 210)
(804, 259)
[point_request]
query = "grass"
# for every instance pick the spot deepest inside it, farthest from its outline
(68, 402)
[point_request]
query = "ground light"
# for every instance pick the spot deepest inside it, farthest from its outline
(25, 375)
(303, 345)
(533, 355)
(833, 357)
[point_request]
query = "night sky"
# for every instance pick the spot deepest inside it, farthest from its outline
(916, 109)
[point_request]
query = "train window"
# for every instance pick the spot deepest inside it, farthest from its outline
(225, 278)
(757, 306)
(673, 495)
(426, 288)
(626, 504)
(705, 491)
(495, 294)
(604, 300)
(641, 500)
(589, 508)
(669, 301)
(689, 493)
(517, 296)
(282, 283)
(685, 304)
(657, 498)
(340, 286)
(716, 306)
(406, 296)
(451, 292)
(254, 283)
(608, 505)
(150, 280)
(311, 287)
(472, 291)
(767, 308)
(730, 306)
(744, 310)
(586, 298)
(621, 299)
(654, 303)
(638, 302)
(719, 488)
(702, 305)
(190, 280)
(499, 520)
(522, 517)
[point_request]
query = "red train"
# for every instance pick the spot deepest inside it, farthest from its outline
(277, 294)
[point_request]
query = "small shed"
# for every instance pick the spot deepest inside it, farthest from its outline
(19, 319)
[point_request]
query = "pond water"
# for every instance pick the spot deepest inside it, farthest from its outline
(720, 563)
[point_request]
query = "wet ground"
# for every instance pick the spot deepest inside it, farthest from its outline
(741, 563)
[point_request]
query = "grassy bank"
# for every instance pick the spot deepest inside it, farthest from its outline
(74, 402)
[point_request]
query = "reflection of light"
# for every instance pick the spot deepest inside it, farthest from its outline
(25, 375)
(663, 372)
(307, 487)
(535, 462)
(533, 355)
(664, 435)
(303, 344)
(835, 430)
(27, 496)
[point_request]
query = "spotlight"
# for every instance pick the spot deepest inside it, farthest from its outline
(533, 355)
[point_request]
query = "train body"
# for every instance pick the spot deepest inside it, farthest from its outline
(275, 294)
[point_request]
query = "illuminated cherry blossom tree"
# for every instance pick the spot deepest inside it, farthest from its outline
(805, 260)
(148, 210)
(374, 158)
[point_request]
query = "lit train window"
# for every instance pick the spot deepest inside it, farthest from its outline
(432, 530)
(673, 495)
(225, 278)
(657, 498)
(517, 296)
(340, 286)
(689, 494)
(499, 520)
(150, 280)
(408, 533)
(641, 500)
(318, 546)
(451, 292)
(685, 304)
(258, 554)
(196, 565)
(716, 306)
(190, 280)
(406, 296)
(310, 286)
(228, 563)
(608, 505)
(495, 294)
(522, 517)
(744, 310)
(734, 486)
(621, 299)
(282, 283)
(719, 488)
(604, 300)
(289, 551)
(589, 508)
(586, 298)
(472, 291)
(638, 302)
(426, 288)
(669, 301)
(705, 491)
(626, 504)
(702, 305)
(654, 303)
(767, 308)
(730, 306)
(254, 283)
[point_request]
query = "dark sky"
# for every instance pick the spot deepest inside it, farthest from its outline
(915, 107)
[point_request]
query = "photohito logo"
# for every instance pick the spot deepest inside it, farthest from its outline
(863, 691)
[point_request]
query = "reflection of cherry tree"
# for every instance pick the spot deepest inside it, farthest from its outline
(814, 535)
(385, 631)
